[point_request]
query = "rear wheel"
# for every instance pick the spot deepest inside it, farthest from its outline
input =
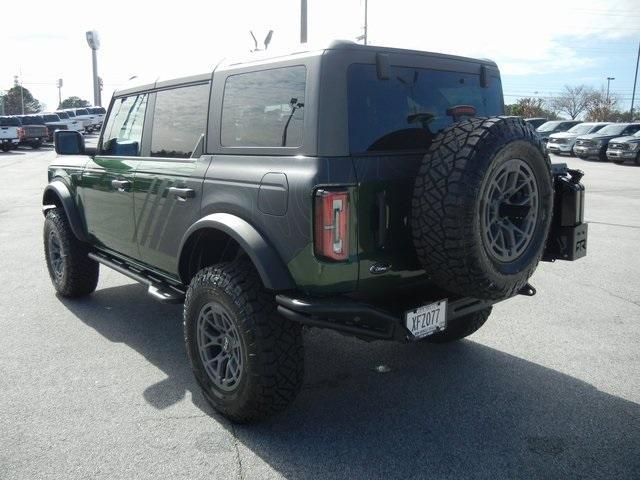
(461, 327)
(248, 360)
(72, 272)
(36, 145)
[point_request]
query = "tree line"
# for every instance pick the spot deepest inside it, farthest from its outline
(11, 102)
(574, 101)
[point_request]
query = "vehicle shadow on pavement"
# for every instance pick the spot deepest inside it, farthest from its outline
(442, 411)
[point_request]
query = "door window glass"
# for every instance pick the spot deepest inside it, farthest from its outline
(179, 121)
(123, 129)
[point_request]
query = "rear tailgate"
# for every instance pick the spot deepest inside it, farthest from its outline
(8, 132)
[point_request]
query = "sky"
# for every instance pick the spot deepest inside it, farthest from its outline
(539, 47)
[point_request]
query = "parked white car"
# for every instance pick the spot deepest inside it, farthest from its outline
(94, 121)
(99, 113)
(563, 142)
(72, 123)
(70, 112)
(9, 133)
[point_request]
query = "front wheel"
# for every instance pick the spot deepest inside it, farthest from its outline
(72, 272)
(248, 361)
(461, 327)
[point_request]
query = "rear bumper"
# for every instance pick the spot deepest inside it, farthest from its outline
(364, 319)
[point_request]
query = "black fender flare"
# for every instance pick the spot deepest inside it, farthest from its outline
(270, 267)
(61, 191)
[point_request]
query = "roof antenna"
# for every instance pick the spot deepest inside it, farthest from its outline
(267, 39)
(254, 41)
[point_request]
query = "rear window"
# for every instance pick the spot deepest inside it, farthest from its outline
(32, 121)
(407, 110)
(82, 111)
(9, 122)
(264, 109)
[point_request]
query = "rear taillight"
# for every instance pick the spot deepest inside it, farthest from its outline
(21, 134)
(331, 239)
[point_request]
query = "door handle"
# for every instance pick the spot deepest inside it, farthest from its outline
(121, 185)
(182, 194)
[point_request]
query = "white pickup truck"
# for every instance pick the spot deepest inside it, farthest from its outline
(9, 133)
(99, 113)
(72, 123)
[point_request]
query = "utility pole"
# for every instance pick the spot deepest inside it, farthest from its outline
(59, 85)
(608, 82)
(635, 80)
(94, 43)
(366, 20)
(303, 21)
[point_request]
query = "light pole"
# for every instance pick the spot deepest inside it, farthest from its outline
(608, 82)
(94, 43)
(303, 21)
(635, 80)
(59, 85)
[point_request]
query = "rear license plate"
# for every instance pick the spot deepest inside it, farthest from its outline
(427, 320)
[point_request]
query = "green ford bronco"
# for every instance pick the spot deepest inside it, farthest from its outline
(374, 191)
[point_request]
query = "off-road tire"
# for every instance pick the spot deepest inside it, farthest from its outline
(461, 327)
(448, 204)
(79, 273)
(272, 347)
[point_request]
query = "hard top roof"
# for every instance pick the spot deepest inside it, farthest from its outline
(273, 56)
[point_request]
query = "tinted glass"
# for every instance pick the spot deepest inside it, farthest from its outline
(631, 129)
(264, 109)
(71, 114)
(51, 118)
(179, 121)
(122, 133)
(581, 128)
(32, 120)
(82, 111)
(613, 129)
(597, 128)
(64, 115)
(407, 110)
(548, 126)
(9, 122)
(99, 110)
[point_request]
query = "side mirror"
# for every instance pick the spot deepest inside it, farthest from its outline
(68, 142)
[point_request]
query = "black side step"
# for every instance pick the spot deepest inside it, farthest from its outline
(161, 291)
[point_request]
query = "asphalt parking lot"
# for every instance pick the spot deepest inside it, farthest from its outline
(549, 388)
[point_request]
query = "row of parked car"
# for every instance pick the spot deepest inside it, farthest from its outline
(616, 142)
(34, 130)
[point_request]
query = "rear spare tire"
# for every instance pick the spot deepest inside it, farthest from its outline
(482, 205)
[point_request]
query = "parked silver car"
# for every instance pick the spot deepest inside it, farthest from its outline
(624, 148)
(563, 142)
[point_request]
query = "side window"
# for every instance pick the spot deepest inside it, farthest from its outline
(123, 129)
(631, 129)
(264, 109)
(179, 121)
